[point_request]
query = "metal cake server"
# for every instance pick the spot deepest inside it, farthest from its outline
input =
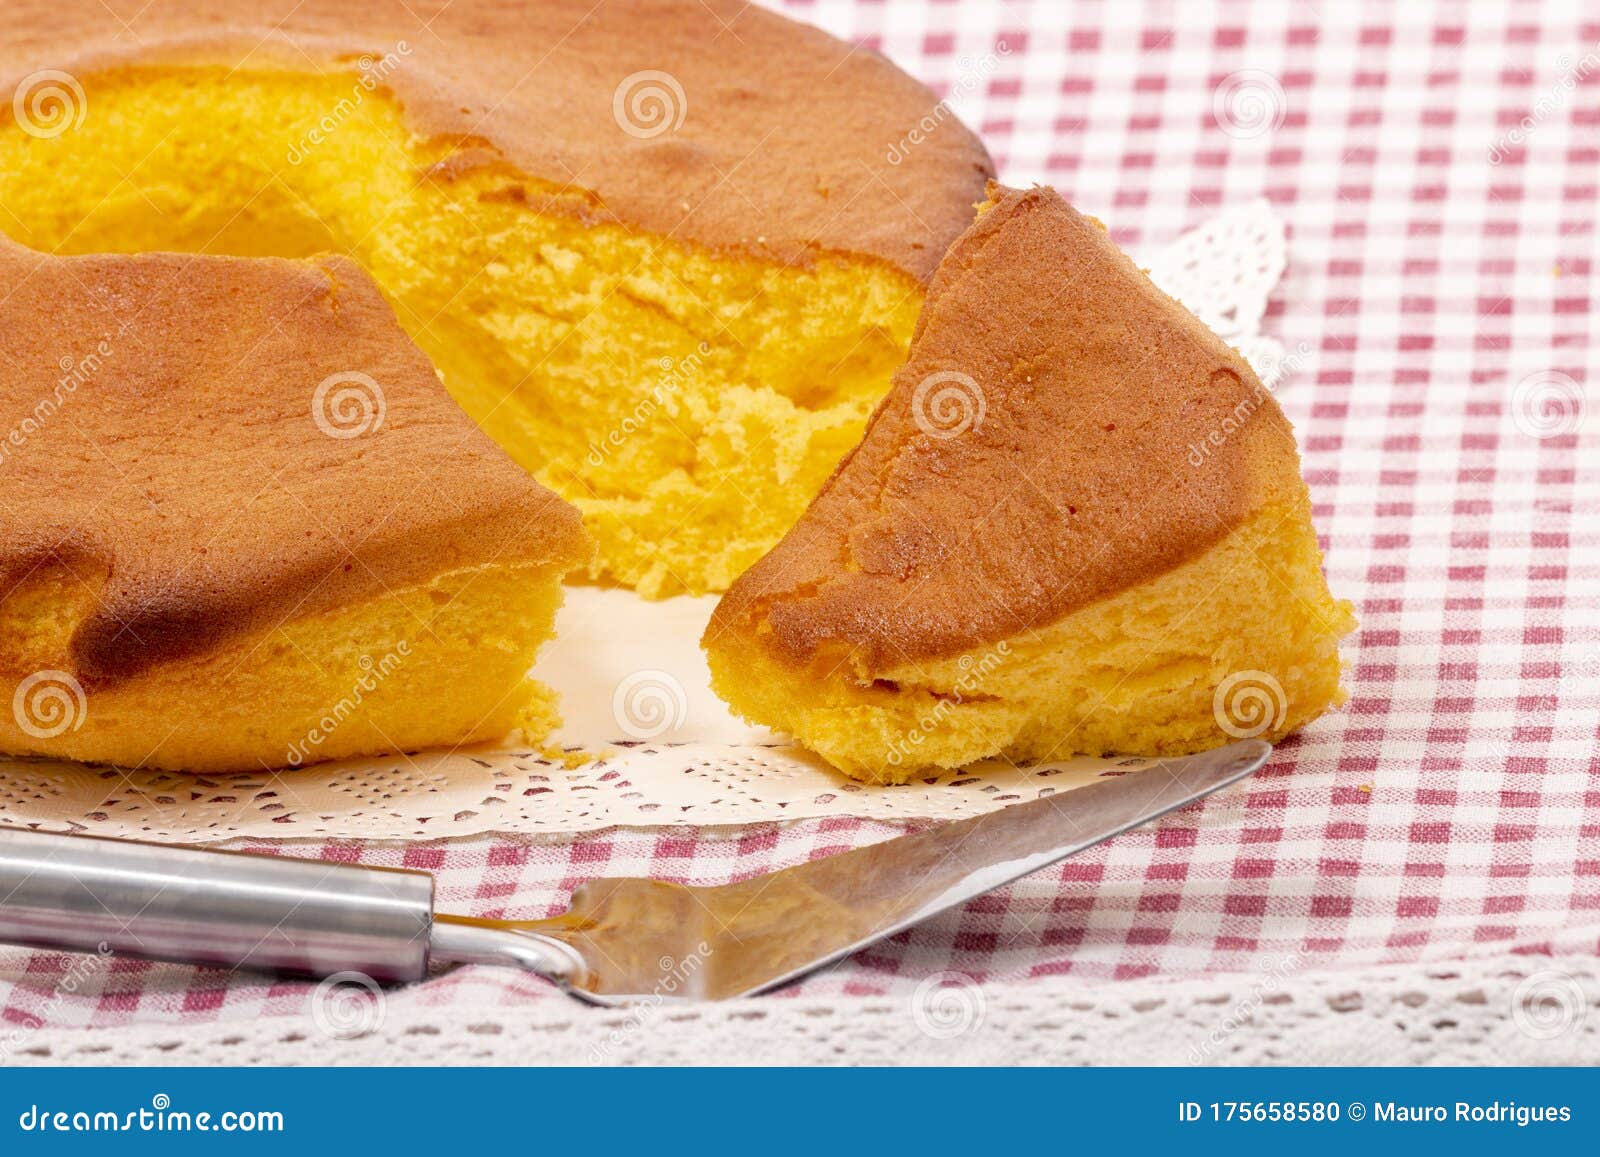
(621, 942)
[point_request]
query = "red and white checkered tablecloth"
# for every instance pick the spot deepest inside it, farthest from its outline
(1439, 168)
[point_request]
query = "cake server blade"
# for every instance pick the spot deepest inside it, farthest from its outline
(646, 940)
(622, 941)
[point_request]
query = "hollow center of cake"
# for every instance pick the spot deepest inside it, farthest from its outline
(688, 402)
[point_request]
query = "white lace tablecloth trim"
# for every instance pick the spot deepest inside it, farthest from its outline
(1517, 1010)
(634, 689)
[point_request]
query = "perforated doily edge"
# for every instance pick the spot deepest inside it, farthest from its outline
(698, 787)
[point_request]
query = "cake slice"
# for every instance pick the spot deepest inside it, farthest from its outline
(242, 524)
(1076, 525)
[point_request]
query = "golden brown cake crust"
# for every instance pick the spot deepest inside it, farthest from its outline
(162, 441)
(782, 151)
(1087, 403)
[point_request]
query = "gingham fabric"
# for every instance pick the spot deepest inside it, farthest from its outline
(1439, 167)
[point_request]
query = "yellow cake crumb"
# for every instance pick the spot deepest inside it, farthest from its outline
(1146, 671)
(433, 665)
(688, 402)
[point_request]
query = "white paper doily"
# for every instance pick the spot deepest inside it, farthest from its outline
(635, 691)
(1225, 270)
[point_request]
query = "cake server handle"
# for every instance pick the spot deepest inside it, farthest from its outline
(228, 909)
(240, 910)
